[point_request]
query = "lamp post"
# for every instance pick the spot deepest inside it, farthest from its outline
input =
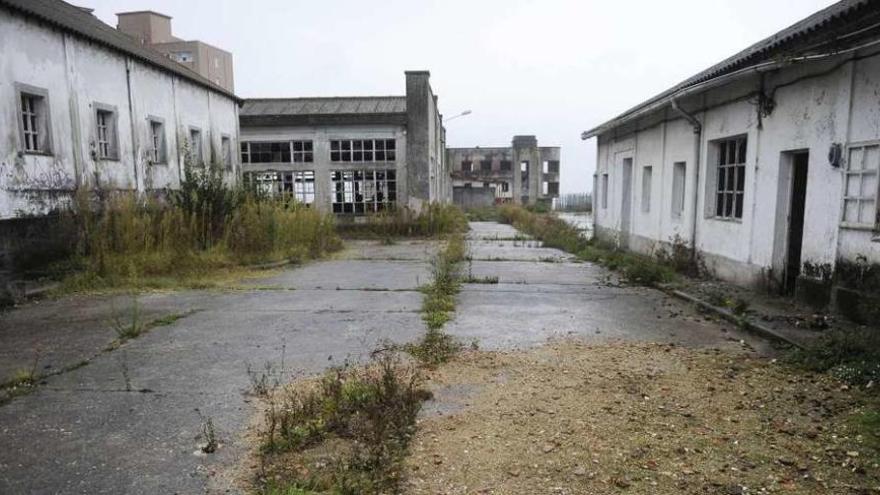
(462, 114)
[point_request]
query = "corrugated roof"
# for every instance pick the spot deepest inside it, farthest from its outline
(80, 22)
(336, 105)
(822, 24)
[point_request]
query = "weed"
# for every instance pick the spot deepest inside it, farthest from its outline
(261, 384)
(126, 377)
(129, 327)
(210, 436)
(434, 220)
(852, 356)
(346, 433)
(488, 279)
(867, 424)
(435, 348)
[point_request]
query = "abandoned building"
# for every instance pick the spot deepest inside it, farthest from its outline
(349, 155)
(85, 106)
(523, 173)
(766, 163)
(154, 30)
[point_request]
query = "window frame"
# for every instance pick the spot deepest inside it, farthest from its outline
(349, 196)
(199, 156)
(158, 155)
(722, 166)
(604, 192)
(357, 150)
(647, 186)
(226, 152)
(41, 120)
(112, 139)
(873, 226)
(678, 200)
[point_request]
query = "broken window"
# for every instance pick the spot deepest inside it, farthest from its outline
(647, 177)
(195, 146)
(545, 167)
(485, 165)
(266, 152)
(730, 178)
(506, 165)
(467, 166)
(363, 150)
(553, 189)
(106, 140)
(34, 120)
(860, 195)
(679, 170)
(553, 167)
(302, 152)
(545, 187)
(604, 191)
(156, 151)
(505, 187)
(359, 192)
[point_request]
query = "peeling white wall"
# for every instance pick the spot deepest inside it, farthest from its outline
(834, 105)
(77, 74)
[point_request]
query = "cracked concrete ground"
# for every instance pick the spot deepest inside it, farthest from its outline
(83, 432)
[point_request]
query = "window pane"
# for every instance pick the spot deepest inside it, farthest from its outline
(722, 179)
(740, 178)
(722, 153)
(855, 159)
(741, 152)
(867, 212)
(869, 185)
(738, 211)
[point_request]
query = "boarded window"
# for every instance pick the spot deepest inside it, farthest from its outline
(730, 178)
(195, 147)
(604, 191)
(647, 179)
(226, 150)
(860, 195)
(679, 176)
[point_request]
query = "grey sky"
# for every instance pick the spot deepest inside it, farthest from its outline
(552, 68)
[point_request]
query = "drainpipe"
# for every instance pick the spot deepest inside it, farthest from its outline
(698, 139)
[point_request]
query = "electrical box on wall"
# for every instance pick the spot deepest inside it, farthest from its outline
(835, 155)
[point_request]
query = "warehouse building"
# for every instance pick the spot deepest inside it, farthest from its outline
(349, 155)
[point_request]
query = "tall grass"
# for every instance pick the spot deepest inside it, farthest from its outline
(434, 220)
(131, 239)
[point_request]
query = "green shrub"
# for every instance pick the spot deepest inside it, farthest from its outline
(434, 220)
(850, 355)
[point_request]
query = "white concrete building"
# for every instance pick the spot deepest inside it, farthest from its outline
(83, 105)
(349, 155)
(767, 163)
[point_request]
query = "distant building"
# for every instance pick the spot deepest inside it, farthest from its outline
(523, 173)
(766, 164)
(349, 155)
(83, 106)
(154, 30)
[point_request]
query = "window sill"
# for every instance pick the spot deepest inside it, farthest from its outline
(108, 159)
(861, 227)
(35, 153)
(726, 220)
(158, 164)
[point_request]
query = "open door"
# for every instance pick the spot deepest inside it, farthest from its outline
(626, 202)
(796, 217)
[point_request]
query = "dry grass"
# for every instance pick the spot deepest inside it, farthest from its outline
(640, 418)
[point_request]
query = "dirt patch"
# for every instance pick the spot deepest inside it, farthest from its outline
(572, 418)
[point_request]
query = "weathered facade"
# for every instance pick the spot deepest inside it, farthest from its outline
(85, 106)
(766, 164)
(349, 155)
(523, 173)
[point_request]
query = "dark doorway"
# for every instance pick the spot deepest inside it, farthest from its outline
(800, 167)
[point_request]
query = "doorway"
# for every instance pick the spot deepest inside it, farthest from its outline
(626, 202)
(796, 216)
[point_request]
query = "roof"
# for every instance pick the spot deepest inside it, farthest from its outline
(819, 29)
(77, 21)
(334, 105)
(335, 110)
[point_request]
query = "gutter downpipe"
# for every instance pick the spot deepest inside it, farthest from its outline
(698, 139)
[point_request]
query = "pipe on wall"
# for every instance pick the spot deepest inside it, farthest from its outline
(698, 140)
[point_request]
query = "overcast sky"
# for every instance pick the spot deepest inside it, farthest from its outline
(551, 68)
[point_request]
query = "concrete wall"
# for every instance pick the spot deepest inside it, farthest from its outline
(816, 105)
(473, 197)
(77, 76)
(426, 171)
(322, 166)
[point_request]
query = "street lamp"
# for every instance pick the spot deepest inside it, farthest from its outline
(462, 114)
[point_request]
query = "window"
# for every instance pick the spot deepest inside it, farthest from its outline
(553, 166)
(604, 191)
(467, 166)
(106, 134)
(505, 187)
(363, 150)
(545, 167)
(267, 152)
(647, 177)
(226, 150)
(303, 185)
(553, 189)
(506, 165)
(34, 120)
(524, 166)
(485, 165)
(156, 150)
(860, 195)
(363, 191)
(545, 188)
(182, 56)
(195, 146)
(731, 178)
(679, 177)
(302, 152)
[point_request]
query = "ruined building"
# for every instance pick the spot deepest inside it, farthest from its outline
(154, 30)
(349, 155)
(86, 106)
(767, 163)
(523, 173)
